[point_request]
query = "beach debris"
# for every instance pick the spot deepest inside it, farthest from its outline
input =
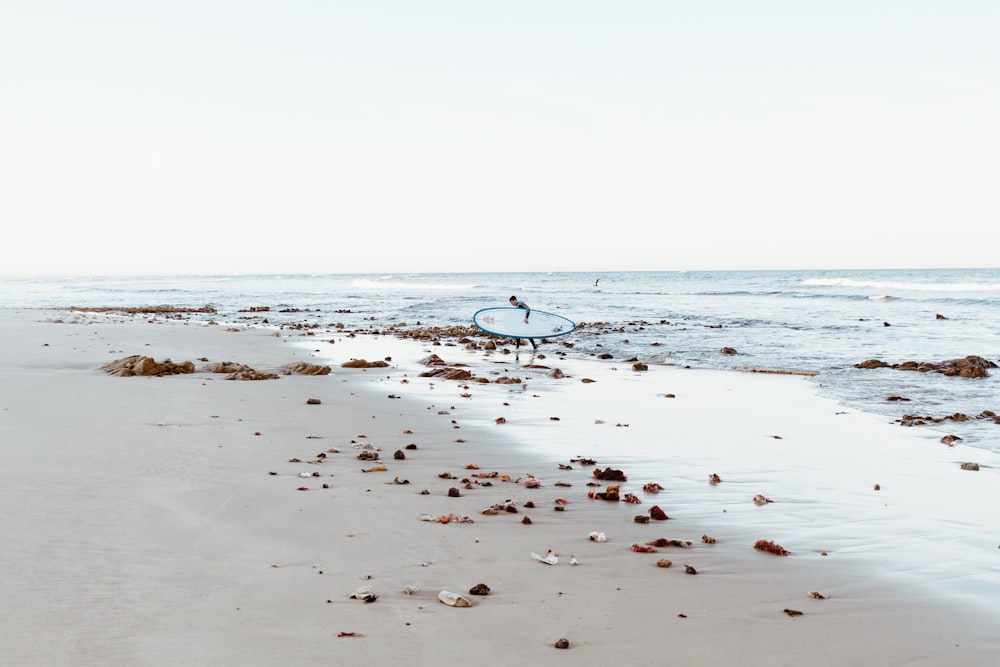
(707, 540)
(631, 498)
(563, 466)
(595, 536)
(479, 589)
(664, 542)
(350, 634)
(610, 493)
(771, 547)
(641, 518)
(365, 594)
(652, 487)
(563, 484)
(643, 549)
(816, 595)
(587, 380)
(397, 480)
(793, 612)
(302, 488)
(399, 455)
(453, 599)
(584, 461)
(501, 420)
(728, 350)
(411, 446)
(878, 487)
(714, 479)
(526, 521)
(970, 466)
(308, 474)
(561, 501)
(379, 468)
(689, 569)
(550, 557)
(446, 475)
(453, 492)
(562, 642)
(367, 455)
(664, 562)
(532, 482)
(657, 514)
(610, 475)
(761, 500)
(445, 518)
(410, 590)
(573, 561)
(313, 401)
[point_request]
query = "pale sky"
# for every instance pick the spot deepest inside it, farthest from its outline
(218, 136)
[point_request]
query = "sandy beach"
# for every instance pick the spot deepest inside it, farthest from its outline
(194, 520)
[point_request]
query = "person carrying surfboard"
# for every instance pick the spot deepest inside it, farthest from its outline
(527, 313)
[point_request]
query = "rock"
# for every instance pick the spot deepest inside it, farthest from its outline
(969, 367)
(225, 367)
(251, 374)
(448, 374)
(728, 350)
(970, 466)
(313, 401)
(432, 360)
(364, 363)
(303, 368)
(562, 643)
(479, 589)
(138, 365)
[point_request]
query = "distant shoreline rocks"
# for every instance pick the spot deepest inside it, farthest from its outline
(967, 367)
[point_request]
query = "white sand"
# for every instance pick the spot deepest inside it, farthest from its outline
(142, 525)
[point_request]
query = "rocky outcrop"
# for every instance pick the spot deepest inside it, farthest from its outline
(364, 363)
(225, 367)
(304, 368)
(967, 367)
(138, 365)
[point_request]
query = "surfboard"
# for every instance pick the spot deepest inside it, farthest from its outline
(503, 321)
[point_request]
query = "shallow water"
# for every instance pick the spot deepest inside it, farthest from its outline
(821, 322)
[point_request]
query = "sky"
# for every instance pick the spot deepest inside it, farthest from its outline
(218, 136)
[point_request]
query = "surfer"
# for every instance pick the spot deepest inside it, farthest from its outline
(514, 302)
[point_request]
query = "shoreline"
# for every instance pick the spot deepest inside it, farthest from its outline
(153, 533)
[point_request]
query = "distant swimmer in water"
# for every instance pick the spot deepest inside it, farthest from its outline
(527, 313)
(597, 281)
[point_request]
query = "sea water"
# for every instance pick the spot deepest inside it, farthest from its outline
(821, 323)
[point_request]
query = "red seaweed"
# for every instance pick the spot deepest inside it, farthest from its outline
(771, 547)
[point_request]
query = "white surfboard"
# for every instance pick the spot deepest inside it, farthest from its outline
(510, 322)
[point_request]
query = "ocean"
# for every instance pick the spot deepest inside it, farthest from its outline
(819, 323)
